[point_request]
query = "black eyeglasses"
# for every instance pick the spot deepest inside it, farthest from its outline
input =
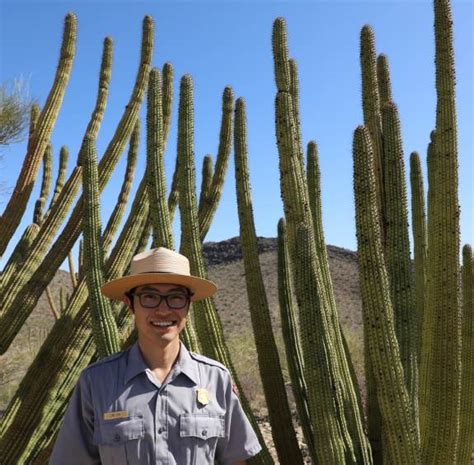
(175, 301)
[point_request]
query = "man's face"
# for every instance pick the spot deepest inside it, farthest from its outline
(160, 323)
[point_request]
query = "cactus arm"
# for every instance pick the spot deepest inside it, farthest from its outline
(289, 321)
(208, 325)
(103, 324)
(397, 251)
(440, 401)
(208, 208)
(206, 180)
(16, 206)
(383, 80)
(400, 437)
(419, 238)
(63, 159)
(467, 378)
(162, 233)
(167, 99)
(119, 209)
(283, 434)
(372, 110)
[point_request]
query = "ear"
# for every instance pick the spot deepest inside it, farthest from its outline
(128, 302)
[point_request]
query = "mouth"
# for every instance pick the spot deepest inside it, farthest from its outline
(163, 323)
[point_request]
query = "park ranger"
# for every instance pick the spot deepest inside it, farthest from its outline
(156, 402)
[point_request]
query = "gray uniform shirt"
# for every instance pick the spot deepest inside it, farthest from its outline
(120, 414)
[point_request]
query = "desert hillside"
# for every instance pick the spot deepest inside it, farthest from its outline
(225, 267)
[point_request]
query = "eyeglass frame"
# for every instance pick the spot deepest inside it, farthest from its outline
(164, 297)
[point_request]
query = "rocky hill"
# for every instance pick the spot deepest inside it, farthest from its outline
(225, 267)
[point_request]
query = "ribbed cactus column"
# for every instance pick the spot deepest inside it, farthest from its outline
(397, 250)
(60, 178)
(289, 323)
(162, 233)
(206, 179)
(371, 108)
(383, 80)
(441, 394)
(420, 239)
(401, 445)
(467, 380)
(119, 209)
(45, 184)
(208, 325)
(105, 330)
(269, 365)
(16, 206)
(208, 207)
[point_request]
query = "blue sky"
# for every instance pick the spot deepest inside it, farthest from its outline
(229, 43)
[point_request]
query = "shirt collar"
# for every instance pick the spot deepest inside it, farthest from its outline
(185, 364)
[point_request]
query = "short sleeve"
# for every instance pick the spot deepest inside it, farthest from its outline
(74, 444)
(240, 441)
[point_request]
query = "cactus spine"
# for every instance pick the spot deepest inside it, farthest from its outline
(268, 359)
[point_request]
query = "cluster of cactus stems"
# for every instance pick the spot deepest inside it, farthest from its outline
(415, 317)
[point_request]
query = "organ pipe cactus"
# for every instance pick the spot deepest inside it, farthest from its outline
(209, 206)
(467, 380)
(284, 436)
(441, 369)
(401, 444)
(206, 180)
(289, 322)
(29, 295)
(63, 159)
(383, 80)
(119, 209)
(162, 233)
(39, 140)
(418, 215)
(397, 250)
(208, 325)
(103, 324)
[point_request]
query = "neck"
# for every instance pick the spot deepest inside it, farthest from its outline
(159, 357)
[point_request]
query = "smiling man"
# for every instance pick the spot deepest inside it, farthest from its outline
(156, 402)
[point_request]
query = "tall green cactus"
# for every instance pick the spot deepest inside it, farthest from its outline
(105, 331)
(401, 444)
(16, 206)
(206, 179)
(418, 215)
(440, 393)
(397, 250)
(283, 434)
(383, 80)
(208, 325)
(467, 381)
(63, 159)
(162, 233)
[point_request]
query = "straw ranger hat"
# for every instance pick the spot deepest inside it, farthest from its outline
(159, 266)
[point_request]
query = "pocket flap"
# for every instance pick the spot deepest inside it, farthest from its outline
(115, 433)
(201, 426)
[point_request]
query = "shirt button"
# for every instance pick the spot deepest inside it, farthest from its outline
(204, 432)
(160, 430)
(117, 438)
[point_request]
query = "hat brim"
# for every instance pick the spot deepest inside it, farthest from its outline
(200, 288)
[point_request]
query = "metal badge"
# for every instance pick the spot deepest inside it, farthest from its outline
(203, 396)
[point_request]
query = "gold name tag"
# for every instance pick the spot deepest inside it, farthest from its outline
(203, 396)
(115, 415)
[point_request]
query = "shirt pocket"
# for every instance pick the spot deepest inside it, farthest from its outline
(121, 442)
(199, 435)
